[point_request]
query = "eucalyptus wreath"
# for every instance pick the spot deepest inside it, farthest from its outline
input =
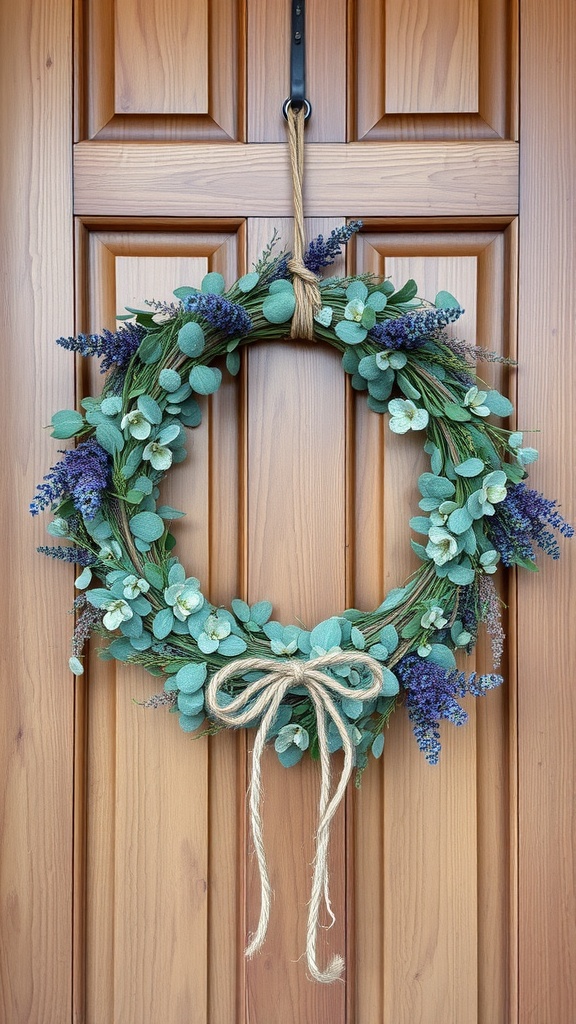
(475, 510)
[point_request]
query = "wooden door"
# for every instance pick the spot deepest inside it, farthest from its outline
(127, 885)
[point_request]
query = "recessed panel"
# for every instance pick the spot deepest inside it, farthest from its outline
(162, 829)
(162, 71)
(438, 880)
(434, 69)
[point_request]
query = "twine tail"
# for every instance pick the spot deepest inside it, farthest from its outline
(257, 939)
(326, 811)
(306, 287)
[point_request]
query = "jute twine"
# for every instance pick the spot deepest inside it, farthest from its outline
(261, 700)
(306, 287)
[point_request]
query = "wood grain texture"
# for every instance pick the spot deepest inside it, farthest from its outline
(454, 869)
(269, 63)
(546, 700)
(37, 698)
(296, 540)
(161, 57)
(411, 179)
(431, 56)
(162, 826)
(158, 71)
(429, 70)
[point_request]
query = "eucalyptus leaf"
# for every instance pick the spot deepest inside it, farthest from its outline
(213, 284)
(110, 438)
(233, 363)
(147, 526)
(457, 413)
(498, 404)
(205, 380)
(470, 468)
(350, 332)
(444, 300)
(66, 423)
(279, 307)
(191, 340)
(150, 409)
(163, 623)
(170, 380)
(248, 282)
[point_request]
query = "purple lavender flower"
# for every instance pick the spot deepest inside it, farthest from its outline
(83, 473)
(521, 520)
(431, 693)
(114, 348)
(414, 329)
(227, 317)
(74, 554)
(321, 253)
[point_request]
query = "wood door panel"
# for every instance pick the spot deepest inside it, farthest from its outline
(432, 69)
(158, 811)
(452, 871)
(452, 886)
(269, 63)
(148, 69)
(453, 179)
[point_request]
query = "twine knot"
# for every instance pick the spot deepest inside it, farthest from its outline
(260, 701)
(306, 287)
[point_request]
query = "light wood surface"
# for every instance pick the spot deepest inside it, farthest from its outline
(37, 691)
(412, 179)
(127, 884)
(546, 643)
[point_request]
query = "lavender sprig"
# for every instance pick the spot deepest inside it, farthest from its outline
(73, 554)
(83, 474)
(225, 316)
(521, 521)
(114, 348)
(431, 693)
(322, 252)
(414, 329)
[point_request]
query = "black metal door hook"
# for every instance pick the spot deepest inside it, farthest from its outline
(297, 97)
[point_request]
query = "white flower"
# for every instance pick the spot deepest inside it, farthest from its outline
(138, 426)
(474, 400)
(405, 416)
(216, 628)
(184, 598)
(441, 546)
(493, 488)
(354, 310)
(162, 318)
(159, 456)
(133, 587)
(117, 612)
(434, 617)
(424, 650)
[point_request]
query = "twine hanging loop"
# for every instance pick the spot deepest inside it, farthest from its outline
(260, 701)
(306, 287)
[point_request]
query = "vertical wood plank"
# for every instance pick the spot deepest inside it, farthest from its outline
(546, 695)
(161, 57)
(269, 69)
(37, 698)
(296, 551)
(162, 844)
(450, 876)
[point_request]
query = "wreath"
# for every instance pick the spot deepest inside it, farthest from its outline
(336, 684)
(475, 510)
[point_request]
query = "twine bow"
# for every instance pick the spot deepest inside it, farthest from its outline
(261, 700)
(305, 282)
